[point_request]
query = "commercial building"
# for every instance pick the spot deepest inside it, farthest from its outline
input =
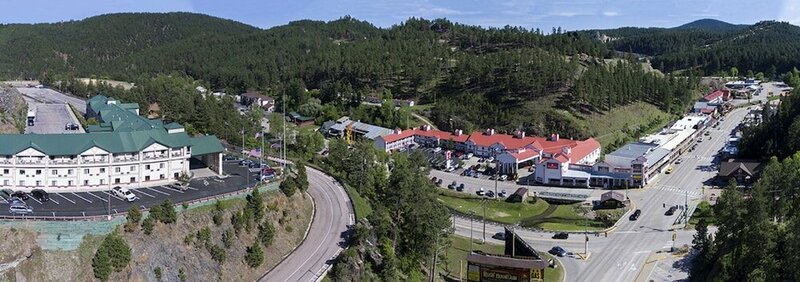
(511, 151)
(251, 98)
(357, 128)
(125, 149)
(745, 172)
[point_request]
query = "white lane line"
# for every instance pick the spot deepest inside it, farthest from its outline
(101, 198)
(79, 196)
(115, 196)
(191, 188)
(154, 190)
(65, 198)
(54, 201)
(169, 189)
(38, 200)
(142, 192)
(4, 200)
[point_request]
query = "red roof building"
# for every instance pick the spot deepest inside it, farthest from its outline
(715, 96)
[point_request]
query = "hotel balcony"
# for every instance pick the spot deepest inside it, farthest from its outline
(21, 161)
(64, 161)
(155, 157)
(94, 161)
(126, 159)
(6, 161)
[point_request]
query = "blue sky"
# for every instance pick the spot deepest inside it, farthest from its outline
(568, 14)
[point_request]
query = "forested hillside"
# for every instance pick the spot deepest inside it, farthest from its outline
(714, 47)
(507, 78)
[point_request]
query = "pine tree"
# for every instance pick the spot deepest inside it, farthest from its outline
(255, 255)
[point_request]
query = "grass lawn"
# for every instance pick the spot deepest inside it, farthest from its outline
(362, 208)
(565, 218)
(704, 210)
(459, 248)
(608, 126)
(496, 210)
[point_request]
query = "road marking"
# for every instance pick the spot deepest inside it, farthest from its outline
(54, 201)
(65, 198)
(38, 200)
(140, 191)
(154, 190)
(104, 200)
(192, 188)
(170, 189)
(4, 200)
(79, 196)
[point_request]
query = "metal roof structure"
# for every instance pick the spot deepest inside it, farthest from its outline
(369, 131)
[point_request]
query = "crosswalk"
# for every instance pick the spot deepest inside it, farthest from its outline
(693, 193)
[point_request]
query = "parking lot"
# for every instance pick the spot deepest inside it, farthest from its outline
(51, 119)
(50, 96)
(104, 202)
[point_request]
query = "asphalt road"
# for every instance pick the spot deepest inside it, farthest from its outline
(621, 255)
(49, 96)
(329, 228)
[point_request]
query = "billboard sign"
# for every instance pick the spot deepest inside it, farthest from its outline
(552, 165)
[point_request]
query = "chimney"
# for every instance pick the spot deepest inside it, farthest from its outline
(556, 137)
(458, 132)
(398, 131)
(426, 127)
(490, 131)
(519, 134)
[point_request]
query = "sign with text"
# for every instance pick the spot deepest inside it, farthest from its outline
(552, 165)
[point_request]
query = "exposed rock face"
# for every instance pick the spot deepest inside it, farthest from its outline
(13, 110)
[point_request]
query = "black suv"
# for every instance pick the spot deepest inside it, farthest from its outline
(671, 210)
(40, 195)
(561, 235)
(20, 195)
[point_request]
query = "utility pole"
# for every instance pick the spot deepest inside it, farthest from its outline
(484, 219)
(496, 176)
(686, 211)
(471, 213)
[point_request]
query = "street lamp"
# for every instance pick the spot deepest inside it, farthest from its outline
(483, 203)
(471, 216)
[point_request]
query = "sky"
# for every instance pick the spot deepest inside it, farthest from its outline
(542, 14)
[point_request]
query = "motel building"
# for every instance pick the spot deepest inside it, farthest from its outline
(125, 150)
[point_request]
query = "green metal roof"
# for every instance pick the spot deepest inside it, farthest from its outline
(205, 145)
(121, 131)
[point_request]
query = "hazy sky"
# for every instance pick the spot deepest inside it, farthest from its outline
(568, 14)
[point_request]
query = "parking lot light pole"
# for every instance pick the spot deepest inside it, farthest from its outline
(483, 203)
(471, 216)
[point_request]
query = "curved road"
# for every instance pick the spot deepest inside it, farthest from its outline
(332, 215)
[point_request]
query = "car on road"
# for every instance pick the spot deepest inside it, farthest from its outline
(679, 161)
(558, 251)
(124, 193)
(502, 194)
(707, 133)
(669, 170)
(635, 215)
(671, 210)
(18, 207)
(460, 188)
(700, 139)
(480, 192)
(499, 236)
(561, 235)
(40, 195)
(20, 195)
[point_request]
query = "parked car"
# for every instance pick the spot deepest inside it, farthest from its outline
(491, 159)
(452, 185)
(437, 149)
(671, 210)
(460, 188)
(669, 170)
(502, 194)
(707, 133)
(71, 126)
(434, 179)
(499, 236)
(489, 194)
(177, 187)
(245, 162)
(229, 158)
(20, 195)
(678, 161)
(124, 193)
(558, 251)
(480, 192)
(503, 177)
(449, 169)
(40, 195)
(561, 235)
(19, 208)
(469, 155)
(439, 182)
(635, 215)
(6, 193)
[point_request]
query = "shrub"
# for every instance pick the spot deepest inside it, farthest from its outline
(227, 238)
(217, 218)
(148, 224)
(114, 254)
(255, 203)
(266, 233)
(237, 220)
(134, 216)
(255, 255)
(157, 272)
(217, 253)
(203, 237)
(156, 212)
(101, 265)
(168, 214)
(185, 206)
(288, 186)
(188, 239)
(182, 275)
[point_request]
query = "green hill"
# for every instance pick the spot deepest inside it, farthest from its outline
(711, 24)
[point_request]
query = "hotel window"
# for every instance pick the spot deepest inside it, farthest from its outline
(162, 176)
(146, 166)
(147, 178)
(22, 183)
(116, 169)
(69, 183)
(133, 179)
(133, 168)
(22, 171)
(53, 183)
(102, 170)
(5, 171)
(86, 183)
(161, 165)
(38, 171)
(116, 180)
(85, 171)
(55, 172)
(69, 171)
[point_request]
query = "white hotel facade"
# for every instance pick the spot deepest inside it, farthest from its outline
(125, 150)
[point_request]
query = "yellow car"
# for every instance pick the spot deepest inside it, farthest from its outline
(669, 170)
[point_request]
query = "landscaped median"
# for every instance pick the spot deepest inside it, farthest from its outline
(534, 213)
